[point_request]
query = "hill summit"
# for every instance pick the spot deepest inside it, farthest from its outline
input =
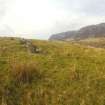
(91, 31)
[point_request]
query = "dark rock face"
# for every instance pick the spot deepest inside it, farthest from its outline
(83, 33)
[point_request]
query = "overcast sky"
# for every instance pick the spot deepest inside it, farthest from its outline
(41, 18)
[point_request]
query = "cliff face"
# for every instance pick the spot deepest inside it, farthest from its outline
(83, 33)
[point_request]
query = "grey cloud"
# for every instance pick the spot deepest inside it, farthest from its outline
(87, 7)
(93, 7)
(6, 30)
(2, 8)
(4, 4)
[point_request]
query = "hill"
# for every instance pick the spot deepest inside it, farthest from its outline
(34, 72)
(91, 31)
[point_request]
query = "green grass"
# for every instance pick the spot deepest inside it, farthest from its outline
(62, 73)
(94, 42)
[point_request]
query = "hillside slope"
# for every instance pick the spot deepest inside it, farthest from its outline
(91, 31)
(54, 73)
(92, 42)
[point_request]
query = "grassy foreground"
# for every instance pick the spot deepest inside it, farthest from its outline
(60, 73)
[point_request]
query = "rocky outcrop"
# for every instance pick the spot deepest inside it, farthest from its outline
(31, 48)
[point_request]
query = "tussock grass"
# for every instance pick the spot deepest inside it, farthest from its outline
(24, 72)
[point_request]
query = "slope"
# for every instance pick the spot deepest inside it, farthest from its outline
(61, 73)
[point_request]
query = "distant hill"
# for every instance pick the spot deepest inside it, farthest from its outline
(91, 31)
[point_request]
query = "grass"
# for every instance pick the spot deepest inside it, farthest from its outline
(62, 73)
(94, 42)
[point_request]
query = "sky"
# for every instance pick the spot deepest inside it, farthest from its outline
(41, 18)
